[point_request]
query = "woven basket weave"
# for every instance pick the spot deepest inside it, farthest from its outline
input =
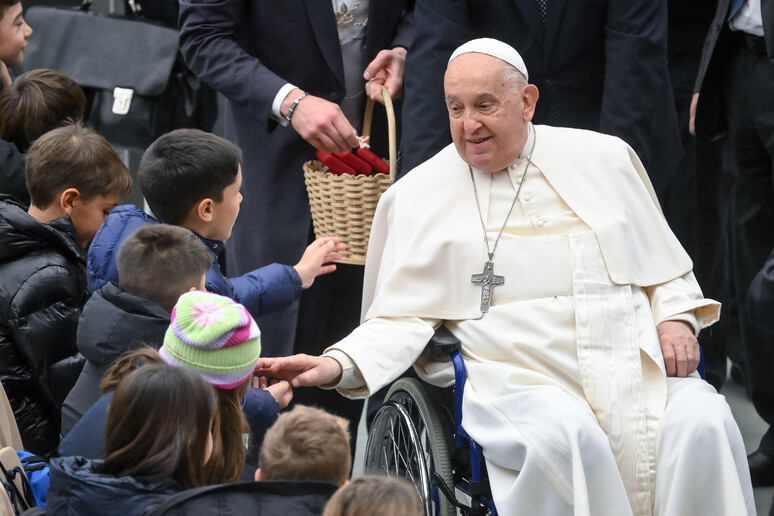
(344, 205)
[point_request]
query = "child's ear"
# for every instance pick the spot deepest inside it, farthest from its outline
(345, 482)
(67, 199)
(204, 209)
(258, 475)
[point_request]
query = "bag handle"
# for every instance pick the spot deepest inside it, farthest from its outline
(25, 497)
(368, 115)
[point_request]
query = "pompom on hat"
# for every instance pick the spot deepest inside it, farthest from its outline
(494, 48)
(215, 337)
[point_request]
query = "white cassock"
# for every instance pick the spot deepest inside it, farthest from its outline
(567, 391)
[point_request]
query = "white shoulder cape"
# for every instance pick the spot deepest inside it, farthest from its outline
(426, 238)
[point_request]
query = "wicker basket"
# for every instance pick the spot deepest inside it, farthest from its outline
(344, 205)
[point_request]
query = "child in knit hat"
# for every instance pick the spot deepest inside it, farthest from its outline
(218, 338)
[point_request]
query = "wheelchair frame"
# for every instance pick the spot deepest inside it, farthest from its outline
(415, 436)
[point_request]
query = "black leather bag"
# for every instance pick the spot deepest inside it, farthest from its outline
(135, 81)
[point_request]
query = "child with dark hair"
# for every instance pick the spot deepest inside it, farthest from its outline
(158, 441)
(156, 265)
(376, 496)
(37, 102)
(75, 178)
(192, 179)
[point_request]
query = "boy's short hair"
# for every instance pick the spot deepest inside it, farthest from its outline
(307, 443)
(38, 101)
(5, 4)
(375, 495)
(161, 262)
(74, 157)
(184, 167)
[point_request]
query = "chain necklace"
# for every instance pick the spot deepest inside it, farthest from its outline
(345, 16)
(488, 279)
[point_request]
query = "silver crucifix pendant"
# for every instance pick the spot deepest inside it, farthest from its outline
(488, 280)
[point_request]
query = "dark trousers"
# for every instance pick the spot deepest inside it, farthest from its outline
(695, 203)
(328, 312)
(750, 113)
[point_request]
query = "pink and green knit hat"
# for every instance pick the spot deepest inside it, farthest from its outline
(213, 336)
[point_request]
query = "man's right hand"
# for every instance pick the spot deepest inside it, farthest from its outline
(302, 370)
(320, 122)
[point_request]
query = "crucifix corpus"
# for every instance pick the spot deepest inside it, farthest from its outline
(488, 280)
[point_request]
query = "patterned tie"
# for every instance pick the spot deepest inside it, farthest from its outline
(543, 8)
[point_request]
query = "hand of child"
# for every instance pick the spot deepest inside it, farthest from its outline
(279, 389)
(315, 260)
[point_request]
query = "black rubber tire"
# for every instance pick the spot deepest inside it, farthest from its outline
(431, 427)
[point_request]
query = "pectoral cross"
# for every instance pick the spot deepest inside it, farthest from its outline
(488, 280)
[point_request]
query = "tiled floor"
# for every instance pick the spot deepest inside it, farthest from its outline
(751, 425)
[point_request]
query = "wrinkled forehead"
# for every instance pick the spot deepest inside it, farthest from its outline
(471, 68)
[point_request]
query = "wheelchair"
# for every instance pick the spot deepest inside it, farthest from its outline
(418, 435)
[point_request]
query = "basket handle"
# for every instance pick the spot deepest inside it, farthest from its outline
(369, 111)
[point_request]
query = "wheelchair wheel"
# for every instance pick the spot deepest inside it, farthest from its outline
(409, 439)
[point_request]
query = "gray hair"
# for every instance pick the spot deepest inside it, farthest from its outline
(514, 77)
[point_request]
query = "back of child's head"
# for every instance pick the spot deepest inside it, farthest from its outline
(229, 425)
(160, 262)
(159, 425)
(376, 496)
(219, 339)
(307, 443)
(74, 157)
(184, 167)
(38, 101)
(126, 363)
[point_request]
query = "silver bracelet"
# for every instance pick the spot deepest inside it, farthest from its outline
(293, 106)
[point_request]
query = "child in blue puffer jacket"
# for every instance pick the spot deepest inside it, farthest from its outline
(192, 179)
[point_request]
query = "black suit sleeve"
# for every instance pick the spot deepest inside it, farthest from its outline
(636, 74)
(441, 26)
(210, 48)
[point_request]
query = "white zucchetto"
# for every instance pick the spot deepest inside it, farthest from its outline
(494, 48)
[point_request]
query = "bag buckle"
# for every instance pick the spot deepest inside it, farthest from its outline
(122, 99)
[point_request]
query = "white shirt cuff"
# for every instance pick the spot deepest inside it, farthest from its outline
(351, 377)
(277, 104)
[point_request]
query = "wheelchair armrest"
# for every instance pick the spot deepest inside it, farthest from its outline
(444, 342)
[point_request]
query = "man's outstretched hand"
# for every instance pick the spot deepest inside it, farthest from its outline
(302, 370)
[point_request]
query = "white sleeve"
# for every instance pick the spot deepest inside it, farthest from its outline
(378, 351)
(277, 104)
(681, 300)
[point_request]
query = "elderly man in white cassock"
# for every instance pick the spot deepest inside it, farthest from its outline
(545, 252)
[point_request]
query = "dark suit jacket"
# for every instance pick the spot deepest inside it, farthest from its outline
(603, 63)
(247, 50)
(710, 110)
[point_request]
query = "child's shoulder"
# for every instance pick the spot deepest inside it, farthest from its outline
(22, 237)
(121, 222)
